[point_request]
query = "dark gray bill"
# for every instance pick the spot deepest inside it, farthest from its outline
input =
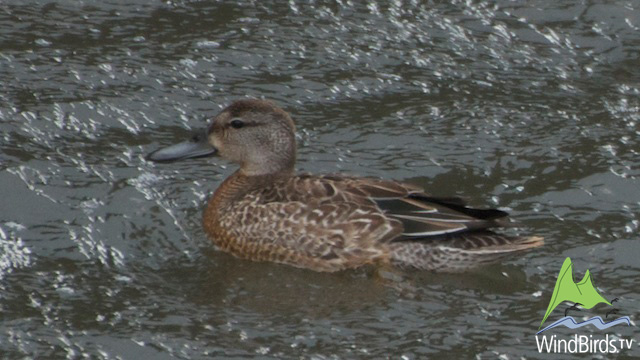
(198, 146)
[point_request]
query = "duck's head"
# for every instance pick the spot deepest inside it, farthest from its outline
(256, 134)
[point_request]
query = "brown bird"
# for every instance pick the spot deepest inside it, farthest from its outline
(265, 212)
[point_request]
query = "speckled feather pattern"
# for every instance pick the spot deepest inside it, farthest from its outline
(301, 221)
(330, 223)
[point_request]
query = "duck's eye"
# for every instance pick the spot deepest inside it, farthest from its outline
(237, 124)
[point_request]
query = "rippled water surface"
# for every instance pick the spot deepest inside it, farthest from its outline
(533, 107)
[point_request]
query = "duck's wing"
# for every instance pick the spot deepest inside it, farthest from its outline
(418, 214)
(422, 215)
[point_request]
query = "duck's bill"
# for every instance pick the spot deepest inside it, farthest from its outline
(197, 147)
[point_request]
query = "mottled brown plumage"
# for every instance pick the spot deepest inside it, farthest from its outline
(265, 212)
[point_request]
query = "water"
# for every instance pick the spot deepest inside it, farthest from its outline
(532, 107)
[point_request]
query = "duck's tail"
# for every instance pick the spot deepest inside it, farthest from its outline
(460, 253)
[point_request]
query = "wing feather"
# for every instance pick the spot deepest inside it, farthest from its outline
(405, 207)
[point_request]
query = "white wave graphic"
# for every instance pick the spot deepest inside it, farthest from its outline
(596, 321)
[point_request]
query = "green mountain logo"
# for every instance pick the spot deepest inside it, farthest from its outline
(583, 292)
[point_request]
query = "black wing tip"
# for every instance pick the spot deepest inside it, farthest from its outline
(458, 204)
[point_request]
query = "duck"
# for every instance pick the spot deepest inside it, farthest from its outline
(265, 211)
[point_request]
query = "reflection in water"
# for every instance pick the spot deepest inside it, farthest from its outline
(529, 108)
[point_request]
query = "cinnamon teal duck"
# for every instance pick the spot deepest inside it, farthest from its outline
(265, 212)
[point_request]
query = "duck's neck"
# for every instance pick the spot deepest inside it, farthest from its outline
(270, 163)
(239, 184)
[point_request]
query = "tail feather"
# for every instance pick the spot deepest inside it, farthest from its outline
(461, 253)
